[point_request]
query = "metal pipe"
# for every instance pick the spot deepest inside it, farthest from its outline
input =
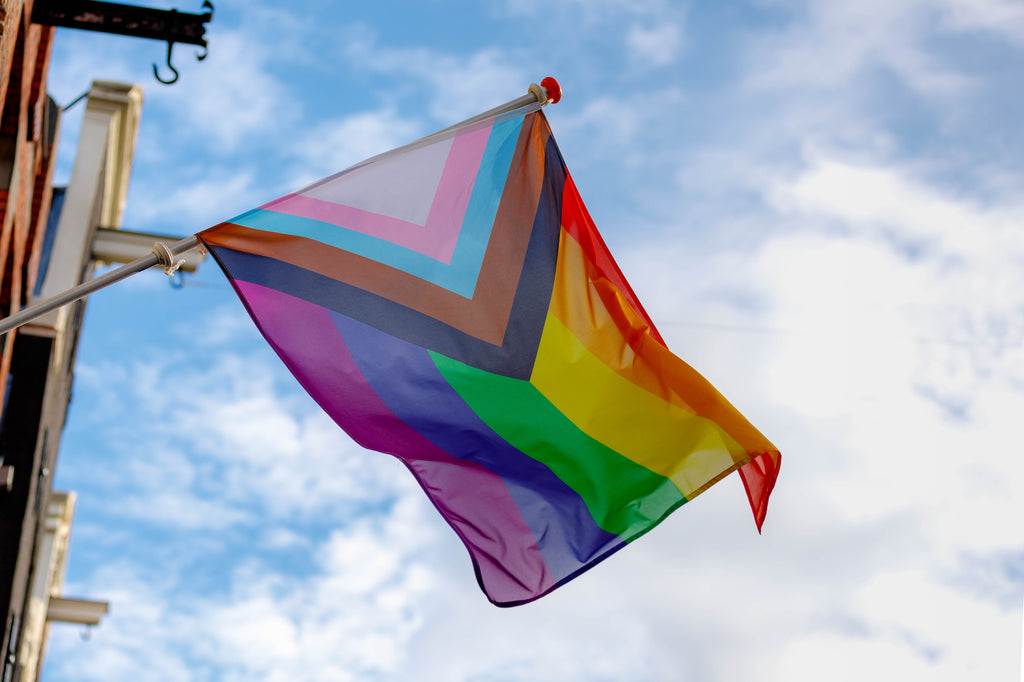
(83, 290)
(538, 96)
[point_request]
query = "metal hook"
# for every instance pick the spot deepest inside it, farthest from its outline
(207, 17)
(156, 72)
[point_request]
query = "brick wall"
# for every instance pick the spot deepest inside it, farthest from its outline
(26, 157)
(26, 166)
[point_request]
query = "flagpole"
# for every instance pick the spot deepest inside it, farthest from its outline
(549, 91)
(162, 255)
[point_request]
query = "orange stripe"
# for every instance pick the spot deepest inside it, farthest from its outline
(486, 315)
(595, 311)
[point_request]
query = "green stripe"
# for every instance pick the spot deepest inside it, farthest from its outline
(624, 497)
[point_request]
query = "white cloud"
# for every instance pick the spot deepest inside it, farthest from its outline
(804, 658)
(235, 97)
(458, 86)
(136, 638)
(959, 288)
(179, 509)
(248, 445)
(1003, 17)
(618, 132)
(192, 201)
(830, 45)
(879, 198)
(591, 11)
(657, 45)
(225, 99)
(868, 300)
(352, 618)
(224, 326)
(337, 144)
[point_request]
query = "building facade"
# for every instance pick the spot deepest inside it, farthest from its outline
(46, 248)
(52, 239)
(28, 133)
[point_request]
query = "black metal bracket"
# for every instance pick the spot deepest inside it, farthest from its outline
(129, 20)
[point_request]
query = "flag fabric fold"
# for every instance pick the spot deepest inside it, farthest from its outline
(453, 305)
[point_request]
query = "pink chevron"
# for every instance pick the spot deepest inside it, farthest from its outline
(440, 233)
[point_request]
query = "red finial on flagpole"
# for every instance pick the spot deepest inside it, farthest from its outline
(553, 89)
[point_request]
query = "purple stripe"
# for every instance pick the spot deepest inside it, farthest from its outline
(508, 563)
(410, 384)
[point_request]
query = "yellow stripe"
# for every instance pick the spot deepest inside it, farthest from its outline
(692, 451)
(593, 309)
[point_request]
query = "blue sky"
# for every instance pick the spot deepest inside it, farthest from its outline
(818, 202)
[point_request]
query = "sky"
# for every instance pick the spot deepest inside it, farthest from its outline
(821, 205)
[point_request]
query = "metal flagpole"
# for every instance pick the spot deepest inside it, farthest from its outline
(549, 91)
(538, 95)
(161, 255)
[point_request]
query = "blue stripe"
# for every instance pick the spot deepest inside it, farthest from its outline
(407, 380)
(513, 358)
(487, 192)
(461, 275)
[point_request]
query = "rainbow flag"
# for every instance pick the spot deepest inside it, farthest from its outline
(452, 304)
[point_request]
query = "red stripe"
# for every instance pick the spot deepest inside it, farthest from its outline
(577, 222)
